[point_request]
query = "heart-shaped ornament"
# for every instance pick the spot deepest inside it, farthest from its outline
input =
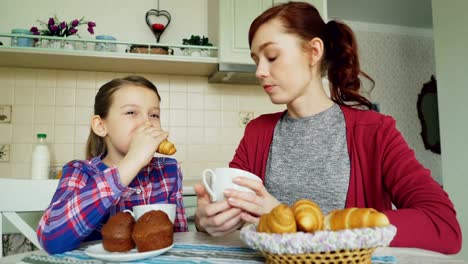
(153, 20)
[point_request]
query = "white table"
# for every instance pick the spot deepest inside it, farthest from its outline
(403, 255)
(26, 195)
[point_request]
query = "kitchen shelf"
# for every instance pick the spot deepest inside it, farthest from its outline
(90, 60)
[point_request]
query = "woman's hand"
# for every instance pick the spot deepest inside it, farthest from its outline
(217, 219)
(253, 205)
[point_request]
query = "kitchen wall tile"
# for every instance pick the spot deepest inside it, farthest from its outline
(45, 96)
(213, 119)
(21, 153)
(193, 170)
(165, 100)
(44, 115)
(230, 102)
(178, 118)
(178, 135)
(227, 152)
(25, 77)
(5, 133)
(177, 84)
(196, 118)
(232, 135)
(230, 119)
(64, 97)
(64, 115)
(212, 102)
(84, 97)
(86, 80)
(181, 154)
(83, 115)
(22, 114)
(195, 101)
(63, 152)
(5, 170)
(46, 78)
(7, 77)
(196, 84)
(81, 134)
(213, 136)
(164, 118)
(24, 95)
(104, 77)
(22, 133)
(64, 134)
(196, 153)
(6, 94)
(21, 171)
(79, 151)
(160, 81)
(178, 100)
(195, 135)
(68, 79)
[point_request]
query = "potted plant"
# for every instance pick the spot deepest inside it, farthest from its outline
(196, 40)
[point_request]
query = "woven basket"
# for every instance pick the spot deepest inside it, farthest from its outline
(345, 256)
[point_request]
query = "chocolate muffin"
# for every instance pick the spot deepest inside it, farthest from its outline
(117, 233)
(153, 231)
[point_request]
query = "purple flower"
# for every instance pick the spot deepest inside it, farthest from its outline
(75, 23)
(91, 30)
(34, 30)
(54, 28)
(51, 21)
(91, 25)
(73, 31)
(63, 25)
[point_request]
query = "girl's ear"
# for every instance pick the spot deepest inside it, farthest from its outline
(315, 47)
(98, 126)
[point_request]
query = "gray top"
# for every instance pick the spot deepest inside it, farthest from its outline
(309, 159)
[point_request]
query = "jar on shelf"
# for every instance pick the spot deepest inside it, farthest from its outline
(19, 41)
(104, 46)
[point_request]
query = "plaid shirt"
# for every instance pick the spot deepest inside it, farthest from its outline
(89, 192)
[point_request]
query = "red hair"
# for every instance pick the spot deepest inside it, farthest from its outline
(341, 51)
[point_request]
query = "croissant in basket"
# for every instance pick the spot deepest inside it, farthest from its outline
(350, 218)
(309, 217)
(166, 148)
(279, 220)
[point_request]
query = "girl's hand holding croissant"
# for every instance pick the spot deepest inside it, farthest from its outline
(253, 205)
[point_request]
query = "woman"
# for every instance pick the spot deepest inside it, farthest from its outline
(329, 150)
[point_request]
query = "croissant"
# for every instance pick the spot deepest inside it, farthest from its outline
(279, 220)
(166, 148)
(309, 217)
(355, 218)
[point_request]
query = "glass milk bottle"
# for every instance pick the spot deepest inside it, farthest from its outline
(40, 159)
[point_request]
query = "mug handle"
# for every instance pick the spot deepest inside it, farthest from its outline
(129, 211)
(207, 186)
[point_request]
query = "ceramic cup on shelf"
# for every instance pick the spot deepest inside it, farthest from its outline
(221, 179)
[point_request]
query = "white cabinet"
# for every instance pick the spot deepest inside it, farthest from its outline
(235, 17)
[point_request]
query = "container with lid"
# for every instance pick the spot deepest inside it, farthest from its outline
(19, 41)
(104, 46)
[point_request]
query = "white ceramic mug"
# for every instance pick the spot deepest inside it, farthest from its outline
(221, 179)
(139, 210)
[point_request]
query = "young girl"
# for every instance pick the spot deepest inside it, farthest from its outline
(120, 171)
(322, 148)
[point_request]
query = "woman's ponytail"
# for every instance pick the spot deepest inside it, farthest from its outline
(342, 62)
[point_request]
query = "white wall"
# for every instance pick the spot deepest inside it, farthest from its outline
(451, 42)
(122, 19)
